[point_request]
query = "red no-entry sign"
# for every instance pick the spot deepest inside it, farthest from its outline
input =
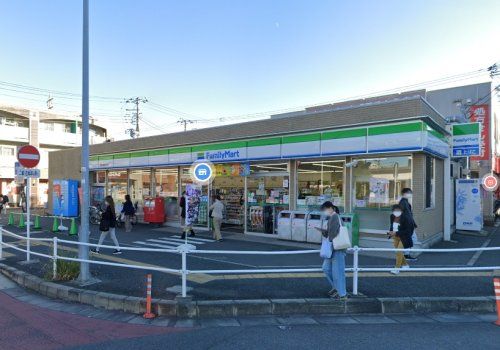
(28, 156)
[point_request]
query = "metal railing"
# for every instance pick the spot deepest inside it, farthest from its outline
(185, 249)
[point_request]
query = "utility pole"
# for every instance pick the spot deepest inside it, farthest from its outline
(185, 122)
(83, 237)
(134, 118)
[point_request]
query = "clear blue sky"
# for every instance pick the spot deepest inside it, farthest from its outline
(231, 57)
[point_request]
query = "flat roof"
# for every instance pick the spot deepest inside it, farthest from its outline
(387, 111)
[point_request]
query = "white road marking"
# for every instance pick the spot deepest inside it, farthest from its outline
(195, 239)
(156, 245)
(476, 256)
(180, 240)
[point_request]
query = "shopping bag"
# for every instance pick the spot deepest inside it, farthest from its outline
(326, 249)
(342, 240)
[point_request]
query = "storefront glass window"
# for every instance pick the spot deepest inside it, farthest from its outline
(140, 188)
(429, 182)
(268, 167)
(166, 186)
(117, 186)
(378, 181)
(320, 181)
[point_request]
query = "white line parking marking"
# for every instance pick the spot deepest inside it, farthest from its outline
(179, 240)
(156, 245)
(476, 256)
(195, 239)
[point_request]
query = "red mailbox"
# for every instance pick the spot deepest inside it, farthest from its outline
(154, 210)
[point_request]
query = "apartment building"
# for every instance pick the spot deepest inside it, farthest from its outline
(47, 131)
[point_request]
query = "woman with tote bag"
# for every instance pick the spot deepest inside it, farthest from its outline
(334, 257)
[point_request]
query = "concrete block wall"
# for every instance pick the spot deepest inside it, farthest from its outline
(429, 220)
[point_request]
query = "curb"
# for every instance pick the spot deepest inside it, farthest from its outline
(232, 308)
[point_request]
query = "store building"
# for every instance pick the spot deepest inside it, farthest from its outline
(46, 131)
(358, 154)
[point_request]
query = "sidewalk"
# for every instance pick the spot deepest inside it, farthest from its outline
(284, 285)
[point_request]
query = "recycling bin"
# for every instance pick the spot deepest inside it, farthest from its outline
(351, 221)
(315, 219)
(284, 225)
(299, 226)
(154, 210)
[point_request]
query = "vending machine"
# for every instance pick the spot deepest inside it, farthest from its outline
(468, 206)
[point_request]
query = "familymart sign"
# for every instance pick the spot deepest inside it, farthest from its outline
(466, 139)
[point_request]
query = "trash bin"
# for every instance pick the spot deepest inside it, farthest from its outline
(350, 220)
(285, 225)
(299, 226)
(315, 219)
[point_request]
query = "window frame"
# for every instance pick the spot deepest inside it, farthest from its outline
(432, 204)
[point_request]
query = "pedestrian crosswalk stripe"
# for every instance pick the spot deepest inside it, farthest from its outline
(195, 239)
(164, 241)
(156, 245)
(190, 240)
(170, 239)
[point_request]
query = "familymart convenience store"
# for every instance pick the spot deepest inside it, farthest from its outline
(362, 170)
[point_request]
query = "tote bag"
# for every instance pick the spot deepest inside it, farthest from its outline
(342, 240)
(326, 248)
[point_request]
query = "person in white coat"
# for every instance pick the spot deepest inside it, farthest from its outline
(217, 214)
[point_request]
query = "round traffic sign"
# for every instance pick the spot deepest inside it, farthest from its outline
(490, 182)
(28, 156)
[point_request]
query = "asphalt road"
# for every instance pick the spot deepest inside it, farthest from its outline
(248, 286)
(375, 336)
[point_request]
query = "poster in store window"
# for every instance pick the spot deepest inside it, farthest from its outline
(379, 190)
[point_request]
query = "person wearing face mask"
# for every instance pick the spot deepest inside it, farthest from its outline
(401, 263)
(404, 202)
(108, 225)
(334, 267)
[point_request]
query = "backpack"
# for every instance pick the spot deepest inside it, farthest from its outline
(5, 199)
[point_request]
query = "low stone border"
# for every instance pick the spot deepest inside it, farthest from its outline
(231, 308)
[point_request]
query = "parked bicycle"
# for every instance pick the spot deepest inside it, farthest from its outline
(95, 214)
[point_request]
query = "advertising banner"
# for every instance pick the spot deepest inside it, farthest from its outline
(468, 205)
(193, 194)
(65, 198)
(481, 114)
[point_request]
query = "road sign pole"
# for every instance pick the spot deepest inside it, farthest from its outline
(83, 237)
(28, 228)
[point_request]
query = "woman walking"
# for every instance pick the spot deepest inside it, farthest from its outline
(395, 233)
(128, 211)
(108, 225)
(334, 265)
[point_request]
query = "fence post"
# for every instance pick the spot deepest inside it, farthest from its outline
(184, 273)
(355, 271)
(1, 242)
(54, 258)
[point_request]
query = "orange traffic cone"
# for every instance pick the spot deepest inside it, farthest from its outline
(496, 285)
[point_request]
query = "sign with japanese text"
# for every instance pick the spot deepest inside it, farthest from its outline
(480, 114)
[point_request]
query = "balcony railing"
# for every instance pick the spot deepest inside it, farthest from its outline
(14, 133)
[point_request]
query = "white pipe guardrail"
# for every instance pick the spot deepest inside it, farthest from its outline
(184, 250)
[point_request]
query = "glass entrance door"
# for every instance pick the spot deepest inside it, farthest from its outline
(267, 195)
